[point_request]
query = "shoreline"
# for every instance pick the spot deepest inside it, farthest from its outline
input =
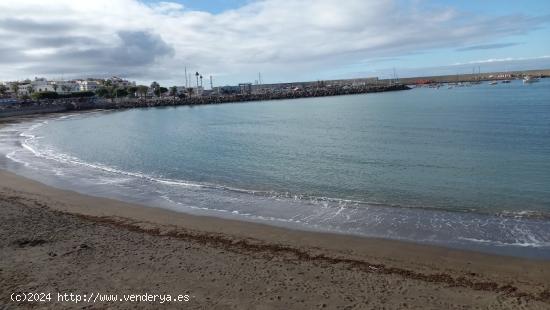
(507, 278)
(530, 253)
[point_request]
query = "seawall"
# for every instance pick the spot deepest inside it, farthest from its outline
(61, 105)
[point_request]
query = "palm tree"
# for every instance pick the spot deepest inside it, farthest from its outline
(197, 76)
(3, 90)
(201, 79)
(102, 92)
(156, 88)
(132, 90)
(120, 92)
(15, 88)
(142, 90)
(173, 91)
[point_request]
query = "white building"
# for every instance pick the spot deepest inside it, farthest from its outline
(88, 85)
(24, 89)
(43, 88)
(9, 86)
(27, 87)
(120, 82)
(66, 87)
(42, 85)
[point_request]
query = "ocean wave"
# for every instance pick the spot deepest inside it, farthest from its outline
(31, 139)
(420, 224)
(237, 212)
(527, 244)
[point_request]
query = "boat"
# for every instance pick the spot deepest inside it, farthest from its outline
(529, 80)
(493, 83)
(506, 81)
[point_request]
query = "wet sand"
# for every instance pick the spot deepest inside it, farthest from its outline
(54, 241)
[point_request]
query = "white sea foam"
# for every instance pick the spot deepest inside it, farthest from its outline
(306, 211)
(500, 243)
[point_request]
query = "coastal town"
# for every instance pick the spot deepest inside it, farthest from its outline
(41, 95)
(116, 87)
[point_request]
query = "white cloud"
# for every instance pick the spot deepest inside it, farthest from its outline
(294, 38)
(507, 59)
(169, 8)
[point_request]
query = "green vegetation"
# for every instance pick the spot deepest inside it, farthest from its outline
(107, 90)
(103, 92)
(15, 88)
(142, 90)
(173, 91)
(3, 90)
(118, 92)
(156, 88)
(78, 94)
(54, 95)
(45, 95)
(132, 90)
(110, 91)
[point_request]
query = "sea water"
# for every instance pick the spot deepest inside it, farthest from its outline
(467, 167)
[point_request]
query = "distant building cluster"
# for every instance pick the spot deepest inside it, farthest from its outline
(27, 87)
(501, 76)
(116, 87)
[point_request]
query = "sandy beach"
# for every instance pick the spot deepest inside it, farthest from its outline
(269, 155)
(56, 241)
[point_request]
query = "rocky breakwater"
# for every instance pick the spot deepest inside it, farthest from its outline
(61, 105)
(235, 98)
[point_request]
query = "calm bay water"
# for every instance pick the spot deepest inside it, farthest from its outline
(465, 167)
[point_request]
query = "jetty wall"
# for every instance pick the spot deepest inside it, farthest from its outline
(79, 104)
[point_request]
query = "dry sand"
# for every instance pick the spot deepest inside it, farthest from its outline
(59, 241)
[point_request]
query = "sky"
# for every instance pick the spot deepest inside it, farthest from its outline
(291, 40)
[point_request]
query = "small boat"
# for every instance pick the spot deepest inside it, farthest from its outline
(506, 81)
(493, 83)
(529, 80)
